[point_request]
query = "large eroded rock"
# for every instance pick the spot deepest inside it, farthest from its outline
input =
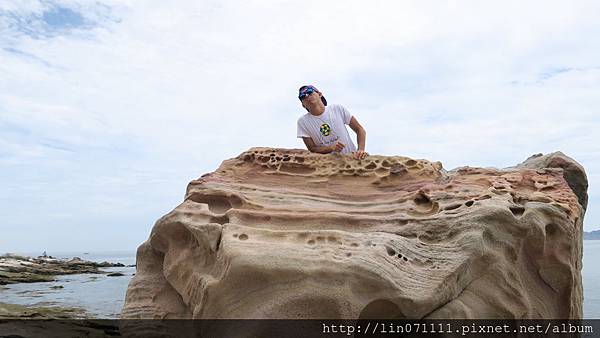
(279, 233)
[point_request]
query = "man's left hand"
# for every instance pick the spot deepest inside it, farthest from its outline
(359, 155)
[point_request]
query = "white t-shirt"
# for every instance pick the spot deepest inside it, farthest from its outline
(327, 128)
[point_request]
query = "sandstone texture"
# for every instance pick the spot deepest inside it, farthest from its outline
(284, 233)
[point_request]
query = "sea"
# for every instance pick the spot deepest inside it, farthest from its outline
(99, 295)
(102, 296)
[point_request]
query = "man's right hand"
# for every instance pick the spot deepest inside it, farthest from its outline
(338, 146)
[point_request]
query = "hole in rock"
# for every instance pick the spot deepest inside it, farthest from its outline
(299, 159)
(311, 242)
(386, 164)
(371, 165)
(452, 207)
(220, 219)
(243, 237)
(411, 162)
(398, 169)
(517, 210)
(348, 254)
(354, 244)
(405, 259)
(422, 200)
(469, 203)
(551, 229)
(381, 309)
(217, 204)
(390, 251)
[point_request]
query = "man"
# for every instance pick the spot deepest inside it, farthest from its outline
(323, 127)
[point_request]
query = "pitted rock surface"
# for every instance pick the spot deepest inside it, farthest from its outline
(284, 233)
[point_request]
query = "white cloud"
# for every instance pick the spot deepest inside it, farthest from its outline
(170, 90)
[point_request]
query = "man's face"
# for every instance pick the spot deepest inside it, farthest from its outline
(311, 99)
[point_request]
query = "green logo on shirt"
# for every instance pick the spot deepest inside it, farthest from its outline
(325, 129)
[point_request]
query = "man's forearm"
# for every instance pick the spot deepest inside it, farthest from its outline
(361, 139)
(321, 150)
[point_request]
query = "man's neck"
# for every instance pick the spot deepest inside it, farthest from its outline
(317, 111)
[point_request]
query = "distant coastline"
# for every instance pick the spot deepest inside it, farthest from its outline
(592, 235)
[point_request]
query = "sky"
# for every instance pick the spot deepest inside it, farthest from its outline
(109, 108)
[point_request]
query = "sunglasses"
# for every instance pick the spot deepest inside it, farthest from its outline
(306, 92)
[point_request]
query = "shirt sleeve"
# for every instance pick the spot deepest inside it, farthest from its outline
(301, 130)
(346, 116)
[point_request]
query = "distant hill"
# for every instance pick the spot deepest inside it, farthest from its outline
(591, 235)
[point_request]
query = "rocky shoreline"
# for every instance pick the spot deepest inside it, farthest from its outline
(23, 269)
(14, 311)
(34, 321)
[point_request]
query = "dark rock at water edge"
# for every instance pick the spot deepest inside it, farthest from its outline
(22, 269)
(108, 264)
(115, 274)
